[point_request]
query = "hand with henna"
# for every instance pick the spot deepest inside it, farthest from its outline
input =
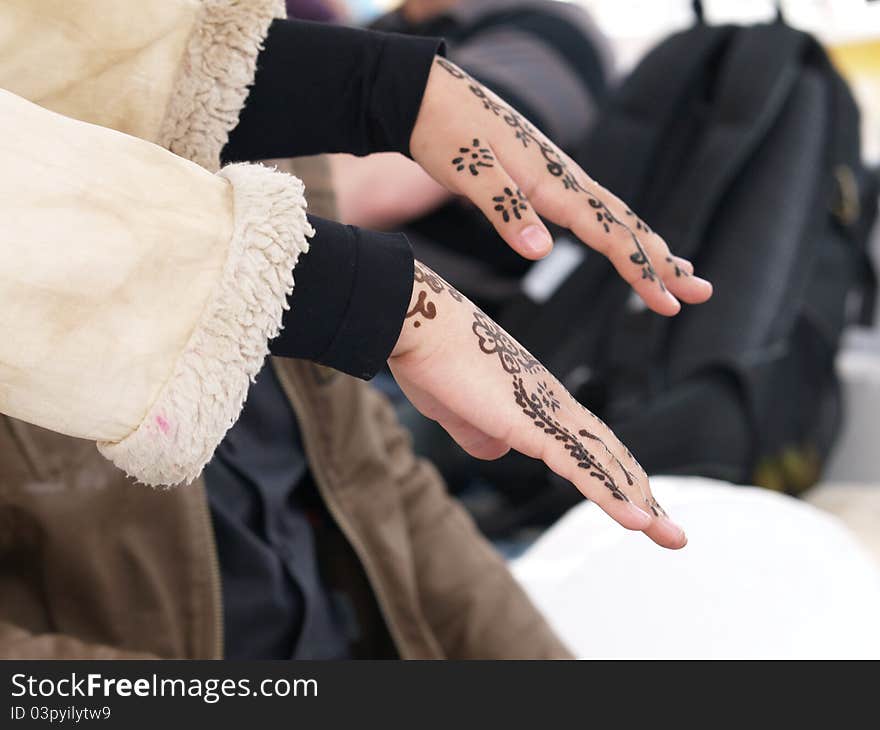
(473, 143)
(459, 368)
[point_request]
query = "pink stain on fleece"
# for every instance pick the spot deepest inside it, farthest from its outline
(162, 424)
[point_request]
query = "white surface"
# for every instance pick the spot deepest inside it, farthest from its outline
(856, 456)
(546, 275)
(763, 576)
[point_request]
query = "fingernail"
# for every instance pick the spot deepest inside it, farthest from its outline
(704, 282)
(535, 240)
(672, 300)
(674, 529)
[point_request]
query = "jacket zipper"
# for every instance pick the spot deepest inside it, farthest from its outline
(322, 481)
(213, 571)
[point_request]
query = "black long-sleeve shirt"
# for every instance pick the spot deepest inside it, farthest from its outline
(322, 88)
(317, 89)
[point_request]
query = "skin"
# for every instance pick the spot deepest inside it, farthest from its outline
(447, 362)
(456, 110)
(383, 191)
(458, 367)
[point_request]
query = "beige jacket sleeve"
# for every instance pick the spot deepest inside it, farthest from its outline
(174, 72)
(138, 291)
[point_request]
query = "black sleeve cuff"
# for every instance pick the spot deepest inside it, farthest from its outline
(352, 291)
(401, 77)
(323, 88)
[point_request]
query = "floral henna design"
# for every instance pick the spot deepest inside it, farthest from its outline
(450, 68)
(532, 406)
(424, 307)
(492, 339)
(656, 509)
(541, 404)
(650, 501)
(640, 224)
(678, 270)
(547, 396)
(592, 416)
(510, 203)
(473, 157)
(556, 165)
(602, 215)
(626, 472)
(436, 284)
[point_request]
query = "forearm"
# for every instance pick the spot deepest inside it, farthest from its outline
(322, 88)
(383, 191)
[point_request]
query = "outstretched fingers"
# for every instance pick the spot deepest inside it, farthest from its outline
(615, 476)
(481, 177)
(606, 224)
(514, 161)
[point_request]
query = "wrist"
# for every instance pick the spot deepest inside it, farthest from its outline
(434, 307)
(352, 292)
(408, 340)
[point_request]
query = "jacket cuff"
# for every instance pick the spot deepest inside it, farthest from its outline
(217, 69)
(352, 293)
(209, 382)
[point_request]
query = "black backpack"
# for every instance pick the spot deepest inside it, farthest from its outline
(740, 146)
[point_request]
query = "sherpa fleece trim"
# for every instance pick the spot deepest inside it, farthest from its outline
(217, 68)
(207, 388)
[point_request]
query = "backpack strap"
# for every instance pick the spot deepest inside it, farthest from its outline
(700, 15)
(646, 106)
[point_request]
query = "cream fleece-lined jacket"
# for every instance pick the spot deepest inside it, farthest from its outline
(138, 288)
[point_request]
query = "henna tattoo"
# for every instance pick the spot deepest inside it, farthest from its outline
(450, 68)
(424, 307)
(640, 259)
(640, 224)
(547, 396)
(473, 157)
(656, 509)
(557, 166)
(541, 404)
(532, 406)
(494, 340)
(423, 275)
(629, 476)
(630, 480)
(602, 215)
(510, 203)
(678, 270)
(427, 309)
(650, 501)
